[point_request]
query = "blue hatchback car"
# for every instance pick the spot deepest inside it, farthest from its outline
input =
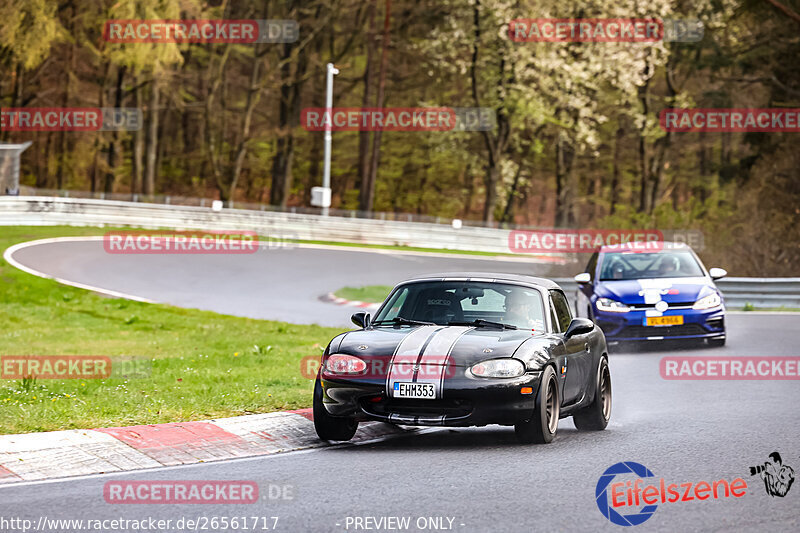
(650, 292)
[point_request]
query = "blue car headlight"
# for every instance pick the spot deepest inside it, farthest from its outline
(611, 306)
(708, 302)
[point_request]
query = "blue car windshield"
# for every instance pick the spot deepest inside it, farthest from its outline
(462, 302)
(635, 265)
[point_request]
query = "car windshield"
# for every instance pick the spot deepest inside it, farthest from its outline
(483, 304)
(635, 265)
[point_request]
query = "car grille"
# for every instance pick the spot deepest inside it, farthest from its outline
(672, 305)
(662, 331)
(409, 407)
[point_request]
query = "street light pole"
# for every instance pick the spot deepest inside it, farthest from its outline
(326, 174)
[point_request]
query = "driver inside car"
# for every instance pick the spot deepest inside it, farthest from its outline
(668, 265)
(518, 311)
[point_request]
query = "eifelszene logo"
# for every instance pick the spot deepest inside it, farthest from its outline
(778, 477)
(630, 492)
(601, 494)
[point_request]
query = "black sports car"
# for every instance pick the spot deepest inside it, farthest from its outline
(467, 349)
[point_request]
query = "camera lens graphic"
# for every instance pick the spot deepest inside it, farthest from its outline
(603, 498)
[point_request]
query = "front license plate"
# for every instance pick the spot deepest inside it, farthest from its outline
(424, 391)
(675, 320)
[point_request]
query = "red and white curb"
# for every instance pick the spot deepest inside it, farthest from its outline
(332, 298)
(36, 456)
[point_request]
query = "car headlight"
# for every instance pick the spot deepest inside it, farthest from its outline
(612, 306)
(498, 368)
(345, 364)
(707, 302)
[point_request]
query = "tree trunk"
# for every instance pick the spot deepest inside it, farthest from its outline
(63, 142)
(379, 103)
(644, 178)
(281, 164)
(316, 152)
(152, 139)
(495, 146)
(288, 118)
(508, 212)
(615, 170)
(211, 130)
(138, 143)
(364, 167)
(565, 155)
(244, 136)
(16, 94)
(108, 185)
(662, 145)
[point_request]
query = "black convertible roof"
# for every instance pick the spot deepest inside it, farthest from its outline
(497, 276)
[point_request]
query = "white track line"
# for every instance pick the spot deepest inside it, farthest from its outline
(9, 253)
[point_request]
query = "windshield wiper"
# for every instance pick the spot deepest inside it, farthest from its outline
(481, 322)
(398, 321)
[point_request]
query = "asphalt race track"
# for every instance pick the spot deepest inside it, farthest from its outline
(683, 431)
(275, 284)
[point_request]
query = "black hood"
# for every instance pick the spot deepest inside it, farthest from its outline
(465, 345)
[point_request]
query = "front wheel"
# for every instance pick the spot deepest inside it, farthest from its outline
(716, 342)
(541, 428)
(330, 427)
(595, 417)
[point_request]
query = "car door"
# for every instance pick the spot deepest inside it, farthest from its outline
(577, 360)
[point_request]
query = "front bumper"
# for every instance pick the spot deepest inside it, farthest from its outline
(465, 401)
(706, 324)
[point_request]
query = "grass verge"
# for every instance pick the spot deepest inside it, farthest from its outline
(202, 364)
(370, 293)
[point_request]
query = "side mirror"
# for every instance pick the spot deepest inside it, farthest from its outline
(583, 277)
(579, 326)
(361, 320)
(717, 273)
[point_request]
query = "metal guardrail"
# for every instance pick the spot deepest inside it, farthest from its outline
(738, 292)
(280, 225)
(48, 211)
(171, 199)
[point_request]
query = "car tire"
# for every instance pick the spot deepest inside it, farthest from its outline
(717, 342)
(542, 426)
(330, 427)
(596, 415)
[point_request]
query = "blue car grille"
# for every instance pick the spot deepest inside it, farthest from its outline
(662, 331)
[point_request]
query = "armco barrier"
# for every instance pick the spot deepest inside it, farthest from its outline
(48, 211)
(758, 292)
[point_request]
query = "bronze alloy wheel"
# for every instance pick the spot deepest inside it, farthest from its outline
(552, 407)
(605, 392)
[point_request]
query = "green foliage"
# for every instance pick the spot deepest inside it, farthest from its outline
(598, 102)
